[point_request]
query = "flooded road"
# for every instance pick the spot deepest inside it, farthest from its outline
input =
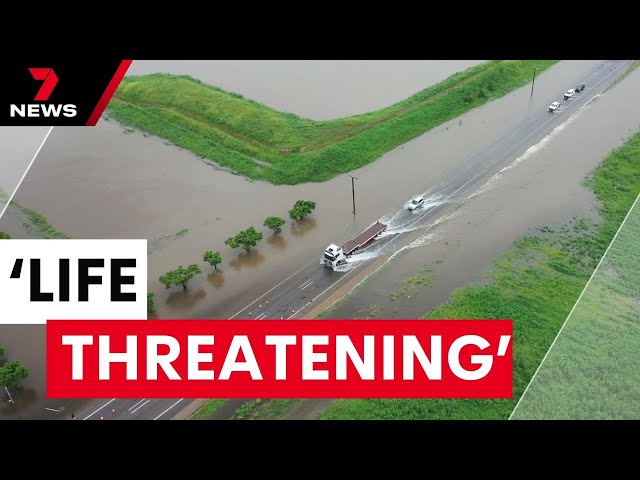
(543, 187)
(105, 183)
(318, 89)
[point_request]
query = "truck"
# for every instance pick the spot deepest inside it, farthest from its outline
(336, 255)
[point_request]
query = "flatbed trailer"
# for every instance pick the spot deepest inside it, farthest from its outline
(364, 238)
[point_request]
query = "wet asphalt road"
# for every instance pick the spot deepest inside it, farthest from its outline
(132, 409)
(312, 283)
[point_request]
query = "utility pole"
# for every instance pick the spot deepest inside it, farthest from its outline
(533, 82)
(7, 390)
(353, 192)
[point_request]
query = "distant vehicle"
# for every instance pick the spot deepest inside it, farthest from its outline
(417, 202)
(580, 87)
(569, 93)
(554, 106)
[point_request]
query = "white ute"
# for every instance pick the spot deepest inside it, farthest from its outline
(569, 93)
(554, 106)
(416, 203)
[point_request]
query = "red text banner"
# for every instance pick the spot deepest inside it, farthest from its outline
(279, 358)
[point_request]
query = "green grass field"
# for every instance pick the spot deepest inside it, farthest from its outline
(536, 284)
(261, 143)
(593, 370)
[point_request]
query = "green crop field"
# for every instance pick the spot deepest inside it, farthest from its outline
(261, 143)
(593, 370)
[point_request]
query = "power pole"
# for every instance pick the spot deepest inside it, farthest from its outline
(353, 192)
(533, 82)
(7, 390)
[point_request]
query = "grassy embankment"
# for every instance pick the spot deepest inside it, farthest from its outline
(37, 225)
(207, 409)
(261, 143)
(629, 71)
(33, 222)
(536, 284)
(263, 409)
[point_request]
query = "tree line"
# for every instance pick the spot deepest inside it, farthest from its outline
(245, 239)
(12, 373)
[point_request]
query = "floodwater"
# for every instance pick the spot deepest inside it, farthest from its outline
(105, 183)
(17, 148)
(543, 187)
(318, 89)
(27, 343)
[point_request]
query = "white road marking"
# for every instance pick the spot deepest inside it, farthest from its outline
(305, 306)
(315, 259)
(168, 409)
(136, 404)
(303, 284)
(92, 414)
(261, 316)
(134, 411)
(309, 284)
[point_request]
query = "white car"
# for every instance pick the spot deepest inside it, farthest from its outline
(569, 93)
(417, 202)
(554, 106)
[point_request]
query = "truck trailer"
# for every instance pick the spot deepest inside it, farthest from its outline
(335, 255)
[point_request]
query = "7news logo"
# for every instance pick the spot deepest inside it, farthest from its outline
(49, 81)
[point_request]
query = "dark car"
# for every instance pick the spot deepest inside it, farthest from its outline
(580, 87)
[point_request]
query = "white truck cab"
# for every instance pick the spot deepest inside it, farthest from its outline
(334, 256)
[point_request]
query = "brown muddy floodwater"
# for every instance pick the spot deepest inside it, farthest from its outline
(17, 148)
(544, 187)
(27, 343)
(105, 183)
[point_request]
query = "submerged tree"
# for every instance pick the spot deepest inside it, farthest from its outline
(150, 304)
(212, 258)
(301, 209)
(275, 224)
(12, 373)
(245, 239)
(180, 276)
